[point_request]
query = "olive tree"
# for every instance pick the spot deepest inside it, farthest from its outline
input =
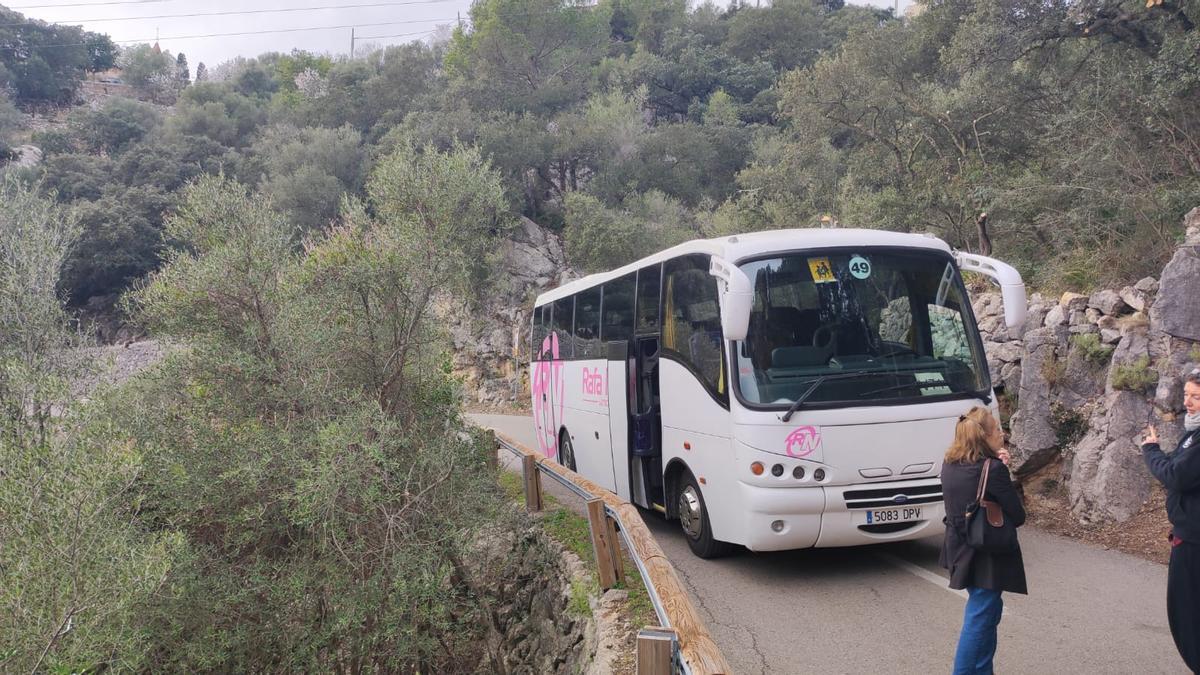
(75, 565)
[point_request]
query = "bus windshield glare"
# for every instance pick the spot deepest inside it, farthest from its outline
(855, 327)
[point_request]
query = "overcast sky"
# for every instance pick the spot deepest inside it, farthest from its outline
(141, 20)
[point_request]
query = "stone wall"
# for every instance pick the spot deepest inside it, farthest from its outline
(1088, 373)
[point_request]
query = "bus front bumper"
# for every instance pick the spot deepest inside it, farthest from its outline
(779, 519)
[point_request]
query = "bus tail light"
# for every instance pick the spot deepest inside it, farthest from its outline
(777, 470)
(798, 473)
(819, 475)
(756, 468)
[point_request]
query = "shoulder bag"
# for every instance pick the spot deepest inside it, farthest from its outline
(987, 528)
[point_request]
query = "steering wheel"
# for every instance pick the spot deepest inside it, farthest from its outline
(824, 336)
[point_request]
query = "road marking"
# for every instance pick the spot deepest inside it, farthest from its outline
(932, 577)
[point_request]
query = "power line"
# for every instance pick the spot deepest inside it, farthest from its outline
(71, 22)
(254, 32)
(91, 4)
(397, 35)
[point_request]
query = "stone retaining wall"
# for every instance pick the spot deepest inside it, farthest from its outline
(1088, 373)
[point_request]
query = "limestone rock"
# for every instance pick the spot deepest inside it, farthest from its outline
(1191, 227)
(1109, 480)
(1136, 299)
(1108, 302)
(1034, 437)
(1071, 302)
(1148, 285)
(1056, 316)
(1176, 309)
(27, 156)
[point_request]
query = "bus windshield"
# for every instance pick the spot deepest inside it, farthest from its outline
(861, 326)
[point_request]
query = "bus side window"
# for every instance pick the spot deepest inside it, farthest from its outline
(617, 323)
(647, 299)
(692, 320)
(587, 324)
(561, 322)
(541, 328)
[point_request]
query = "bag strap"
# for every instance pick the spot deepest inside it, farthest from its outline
(982, 481)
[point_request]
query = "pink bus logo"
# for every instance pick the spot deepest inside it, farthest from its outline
(803, 442)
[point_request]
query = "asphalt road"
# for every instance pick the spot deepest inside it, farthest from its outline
(887, 609)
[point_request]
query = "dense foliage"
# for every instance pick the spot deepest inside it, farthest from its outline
(291, 490)
(1053, 133)
(43, 62)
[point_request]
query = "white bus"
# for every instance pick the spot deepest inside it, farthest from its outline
(777, 390)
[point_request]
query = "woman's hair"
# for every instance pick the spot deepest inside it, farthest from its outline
(970, 437)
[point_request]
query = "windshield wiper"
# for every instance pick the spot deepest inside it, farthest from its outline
(813, 387)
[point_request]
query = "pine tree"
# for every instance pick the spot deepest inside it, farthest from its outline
(182, 74)
(201, 73)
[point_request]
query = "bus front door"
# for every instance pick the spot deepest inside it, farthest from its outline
(645, 424)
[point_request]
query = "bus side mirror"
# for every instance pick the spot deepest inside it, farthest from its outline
(1012, 289)
(736, 296)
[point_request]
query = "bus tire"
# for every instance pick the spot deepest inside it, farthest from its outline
(566, 451)
(693, 520)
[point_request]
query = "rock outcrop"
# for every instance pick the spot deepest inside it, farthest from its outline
(1090, 372)
(491, 337)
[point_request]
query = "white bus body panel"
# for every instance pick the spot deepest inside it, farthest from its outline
(585, 417)
(617, 385)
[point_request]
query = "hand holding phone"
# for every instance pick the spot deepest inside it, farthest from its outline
(1149, 435)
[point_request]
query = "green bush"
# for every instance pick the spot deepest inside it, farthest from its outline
(1134, 376)
(1091, 349)
(76, 564)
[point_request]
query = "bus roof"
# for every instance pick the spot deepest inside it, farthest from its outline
(741, 246)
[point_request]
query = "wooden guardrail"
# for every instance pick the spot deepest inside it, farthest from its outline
(681, 642)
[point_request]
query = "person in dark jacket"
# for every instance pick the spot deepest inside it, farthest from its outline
(978, 439)
(1179, 472)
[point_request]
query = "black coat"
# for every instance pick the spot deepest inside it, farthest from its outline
(968, 567)
(1179, 472)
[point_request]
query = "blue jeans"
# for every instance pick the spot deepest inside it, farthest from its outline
(977, 642)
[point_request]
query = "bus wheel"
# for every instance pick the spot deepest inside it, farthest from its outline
(693, 518)
(566, 453)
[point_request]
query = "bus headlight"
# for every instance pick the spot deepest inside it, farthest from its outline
(777, 525)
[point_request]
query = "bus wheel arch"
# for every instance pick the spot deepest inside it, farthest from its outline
(566, 450)
(685, 501)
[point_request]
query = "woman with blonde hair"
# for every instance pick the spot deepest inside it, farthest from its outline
(979, 443)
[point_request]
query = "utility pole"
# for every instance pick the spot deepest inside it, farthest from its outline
(352, 42)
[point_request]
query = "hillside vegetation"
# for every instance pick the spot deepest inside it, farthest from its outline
(1064, 131)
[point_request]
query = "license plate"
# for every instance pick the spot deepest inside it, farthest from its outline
(901, 514)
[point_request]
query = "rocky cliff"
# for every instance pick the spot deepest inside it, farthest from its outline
(491, 336)
(1088, 373)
